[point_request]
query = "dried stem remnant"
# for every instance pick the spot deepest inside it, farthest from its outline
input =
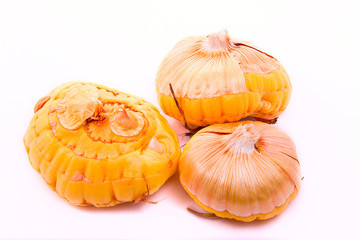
(178, 105)
(207, 215)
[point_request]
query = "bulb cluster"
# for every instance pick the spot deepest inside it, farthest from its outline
(97, 146)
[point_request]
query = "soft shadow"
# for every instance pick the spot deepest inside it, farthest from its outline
(176, 125)
(123, 207)
(253, 224)
(179, 129)
(174, 191)
(232, 222)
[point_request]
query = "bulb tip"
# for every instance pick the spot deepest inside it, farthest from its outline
(244, 138)
(218, 42)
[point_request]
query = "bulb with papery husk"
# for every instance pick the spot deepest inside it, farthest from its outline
(244, 171)
(214, 79)
(98, 146)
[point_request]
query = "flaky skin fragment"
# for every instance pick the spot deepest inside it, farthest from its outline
(98, 146)
(216, 79)
(245, 171)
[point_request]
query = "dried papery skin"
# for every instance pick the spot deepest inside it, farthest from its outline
(78, 105)
(249, 172)
(126, 122)
(98, 146)
(41, 103)
(216, 79)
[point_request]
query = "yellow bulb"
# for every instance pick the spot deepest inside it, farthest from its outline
(98, 146)
(244, 171)
(213, 79)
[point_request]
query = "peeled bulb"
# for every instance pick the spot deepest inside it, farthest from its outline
(214, 79)
(244, 171)
(98, 146)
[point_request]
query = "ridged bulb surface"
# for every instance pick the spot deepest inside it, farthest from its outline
(244, 171)
(98, 146)
(216, 79)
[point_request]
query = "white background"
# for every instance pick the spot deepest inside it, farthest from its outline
(121, 44)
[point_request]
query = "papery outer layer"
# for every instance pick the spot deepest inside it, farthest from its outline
(240, 185)
(91, 165)
(78, 105)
